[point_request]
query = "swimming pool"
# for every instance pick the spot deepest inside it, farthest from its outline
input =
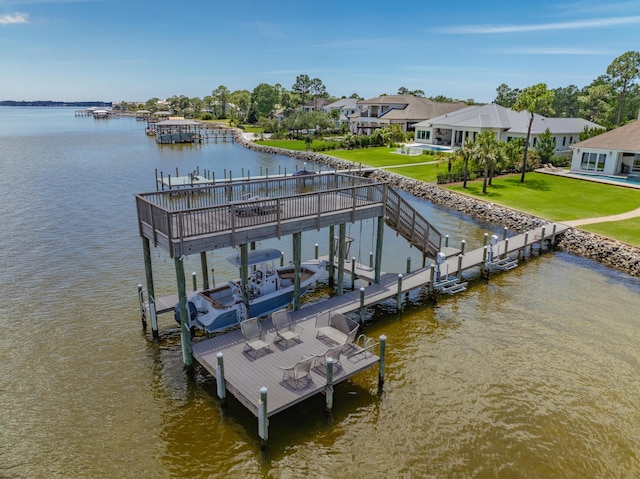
(632, 180)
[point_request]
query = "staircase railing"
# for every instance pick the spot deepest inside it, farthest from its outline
(411, 225)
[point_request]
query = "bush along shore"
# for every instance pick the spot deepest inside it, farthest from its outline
(606, 251)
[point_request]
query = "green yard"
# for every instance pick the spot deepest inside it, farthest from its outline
(552, 197)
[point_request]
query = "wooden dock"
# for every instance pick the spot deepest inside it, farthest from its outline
(247, 372)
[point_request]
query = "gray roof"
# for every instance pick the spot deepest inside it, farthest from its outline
(413, 107)
(343, 103)
(496, 117)
(624, 138)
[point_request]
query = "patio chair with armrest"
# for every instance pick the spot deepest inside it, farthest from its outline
(299, 371)
(286, 330)
(254, 336)
(333, 353)
(336, 327)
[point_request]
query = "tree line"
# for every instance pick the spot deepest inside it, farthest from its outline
(610, 100)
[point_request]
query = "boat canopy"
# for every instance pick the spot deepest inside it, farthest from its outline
(256, 256)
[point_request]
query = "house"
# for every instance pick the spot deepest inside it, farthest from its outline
(455, 128)
(346, 107)
(403, 110)
(317, 104)
(612, 153)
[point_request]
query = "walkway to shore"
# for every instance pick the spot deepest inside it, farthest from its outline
(602, 219)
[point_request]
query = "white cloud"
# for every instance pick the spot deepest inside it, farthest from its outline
(14, 18)
(578, 24)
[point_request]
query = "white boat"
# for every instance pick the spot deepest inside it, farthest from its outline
(269, 288)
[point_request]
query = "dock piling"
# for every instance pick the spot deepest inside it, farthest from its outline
(408, 264)
(463, 243)
(362, 305)
(353, 273)
(399, 294)
(263, 420)
(329, 388)
(220, 383)
(460, 256)
(194, 277)
(143, 317)
(383, 347)
(541, 241)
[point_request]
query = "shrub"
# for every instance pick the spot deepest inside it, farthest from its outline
(206, 116)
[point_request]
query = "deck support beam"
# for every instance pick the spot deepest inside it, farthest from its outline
(185, 333)
(244, 275)
(297, 264)
(341, 252)
(332, 256)
(150, 290)
(379, 239)
(205, 270)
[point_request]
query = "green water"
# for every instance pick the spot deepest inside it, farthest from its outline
(534, 374)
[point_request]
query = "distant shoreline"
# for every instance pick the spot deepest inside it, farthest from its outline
(55, 103)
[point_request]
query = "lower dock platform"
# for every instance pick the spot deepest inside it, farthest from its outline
(246, 372)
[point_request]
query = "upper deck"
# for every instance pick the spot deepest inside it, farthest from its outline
(230, 213)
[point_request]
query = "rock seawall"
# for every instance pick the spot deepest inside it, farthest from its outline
(611, 253)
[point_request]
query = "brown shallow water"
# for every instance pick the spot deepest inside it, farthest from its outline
(534, 374)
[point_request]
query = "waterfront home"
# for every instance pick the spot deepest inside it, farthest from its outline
(612, 153)
(403, 110)
(455, 128)
(346, 107)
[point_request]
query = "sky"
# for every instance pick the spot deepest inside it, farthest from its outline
(134, 50)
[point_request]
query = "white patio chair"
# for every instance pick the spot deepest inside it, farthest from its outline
(254, 337)
(299, 371)
(286, 330)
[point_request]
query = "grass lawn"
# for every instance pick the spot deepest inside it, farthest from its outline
(627, 231)
(554, 197)
(379, 157)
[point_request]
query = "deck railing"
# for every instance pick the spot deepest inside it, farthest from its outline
(185, 214)
(402, 217)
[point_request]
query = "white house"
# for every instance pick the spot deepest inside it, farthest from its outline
(403, 110)
(346, 107)
(453, 129)
(612, 153)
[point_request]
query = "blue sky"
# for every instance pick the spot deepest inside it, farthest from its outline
(138, 49)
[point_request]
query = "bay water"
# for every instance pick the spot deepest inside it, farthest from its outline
(531, 374)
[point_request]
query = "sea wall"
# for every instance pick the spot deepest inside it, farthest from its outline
(611, 253)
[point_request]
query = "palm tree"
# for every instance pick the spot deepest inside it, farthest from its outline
(485, 151)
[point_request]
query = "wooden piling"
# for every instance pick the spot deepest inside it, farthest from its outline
(205, 269)
(143, 316)
(353, 273)
(383, 347)
(408, 264)
(463, 244)
(220, 382)
(329, 388)
(185, 333)
(332, 256)
(263, 420)
(150, 289)
(460, 256)
(379, 241)
(399, 293)
(194, 277)
(341, 252)
(362, 305)
(297, 265)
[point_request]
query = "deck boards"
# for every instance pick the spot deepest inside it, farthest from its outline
(245, 374)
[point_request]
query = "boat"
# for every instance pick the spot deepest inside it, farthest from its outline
(269, 288)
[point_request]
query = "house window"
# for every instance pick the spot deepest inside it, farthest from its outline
(564, 140)
(636, 162)
(593, 161)
(570, 140)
